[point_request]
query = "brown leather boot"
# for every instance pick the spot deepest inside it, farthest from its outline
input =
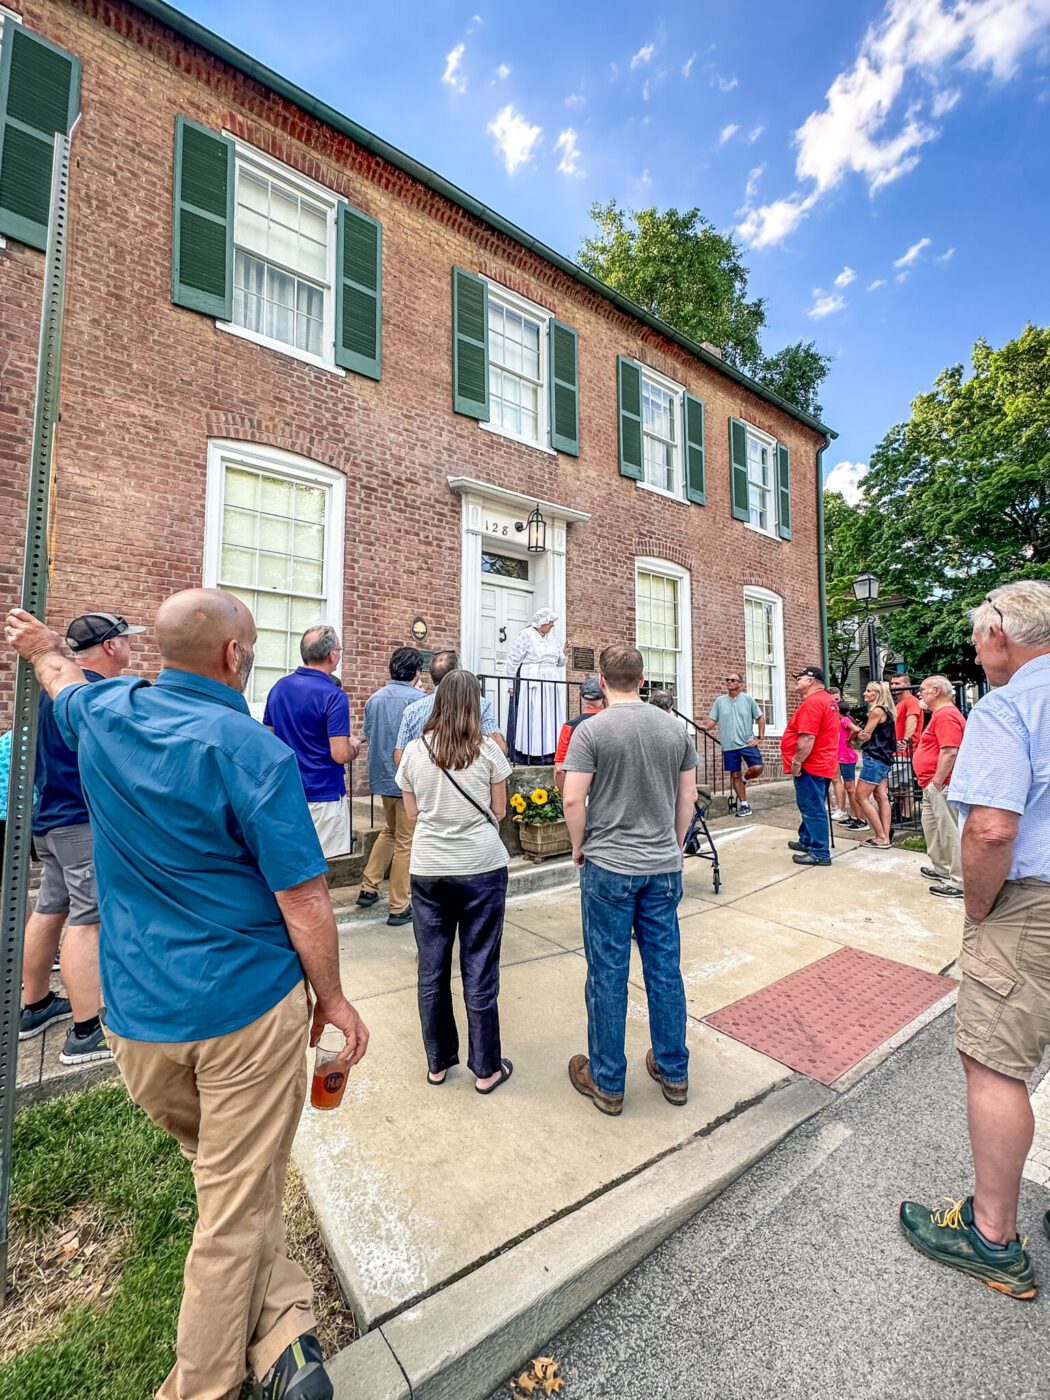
(673, 1093)
(580, 1074)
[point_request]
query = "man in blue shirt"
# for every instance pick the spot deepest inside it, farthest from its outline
(309, 711)
(1001, 789)
(214, 903)
(62, 840)
(383, 712)
(414, 720)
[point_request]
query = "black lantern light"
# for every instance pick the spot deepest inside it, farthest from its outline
(536, 528)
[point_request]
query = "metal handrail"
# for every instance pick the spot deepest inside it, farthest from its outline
(532, 734)
(709, 753)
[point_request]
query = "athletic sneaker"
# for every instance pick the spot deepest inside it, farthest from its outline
(949, 1236)
(81, 1050)
(946, 891)
(34, 1023)
(838, 814)
(744, 810)
(297, 1374)
(854, 825)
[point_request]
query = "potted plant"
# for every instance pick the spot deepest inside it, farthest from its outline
(541, 819)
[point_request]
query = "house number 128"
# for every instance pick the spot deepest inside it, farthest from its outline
(493, 527)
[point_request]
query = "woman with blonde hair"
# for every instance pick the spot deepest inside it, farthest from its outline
(454, 782)
(878, 742)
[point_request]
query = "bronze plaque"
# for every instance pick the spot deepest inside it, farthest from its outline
(583, 658)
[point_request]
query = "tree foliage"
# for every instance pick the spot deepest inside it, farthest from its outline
(956, 501)
(679, 267)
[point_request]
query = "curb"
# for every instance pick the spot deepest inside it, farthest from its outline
(463, 1341)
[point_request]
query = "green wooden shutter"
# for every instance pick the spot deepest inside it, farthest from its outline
(470, 344)
(695, 471)
(783, 491)
(738, 469)
(630, 384)
(202, 221)
(39, 96)
(564, 388)
(358, 304)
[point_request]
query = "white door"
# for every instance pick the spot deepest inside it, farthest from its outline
(506, 609)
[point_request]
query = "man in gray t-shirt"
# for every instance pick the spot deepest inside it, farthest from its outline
(630, 792)
(734, 715)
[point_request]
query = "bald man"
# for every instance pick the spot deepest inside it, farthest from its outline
(214, 905)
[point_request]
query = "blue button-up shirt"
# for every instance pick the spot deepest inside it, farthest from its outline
(383, 712)
(414, 720)
(1004, 762)
(198, 814)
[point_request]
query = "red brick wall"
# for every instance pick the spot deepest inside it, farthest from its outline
(145, 384)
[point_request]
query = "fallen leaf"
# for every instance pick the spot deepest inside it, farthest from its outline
(526, 1383)
(553, 1385)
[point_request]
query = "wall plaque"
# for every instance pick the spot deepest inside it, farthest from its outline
(583, 658)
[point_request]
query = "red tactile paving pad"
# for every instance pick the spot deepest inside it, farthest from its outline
(826, 1017)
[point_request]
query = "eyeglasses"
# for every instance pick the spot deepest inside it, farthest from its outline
(117, 630)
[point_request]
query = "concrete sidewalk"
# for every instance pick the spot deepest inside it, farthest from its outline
(462, 1227)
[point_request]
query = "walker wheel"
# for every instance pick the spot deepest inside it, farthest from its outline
(717, 880)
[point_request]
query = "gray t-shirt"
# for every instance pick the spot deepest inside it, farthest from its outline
(736, 720)
(636, 753)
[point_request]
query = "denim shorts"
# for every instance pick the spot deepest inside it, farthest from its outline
(873, 770)
(847, 772)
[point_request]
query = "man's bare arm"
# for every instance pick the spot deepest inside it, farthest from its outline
(945, 763)
(574, 801)
(685, 804)
(308, 916)
(42, 648)
(987, 850)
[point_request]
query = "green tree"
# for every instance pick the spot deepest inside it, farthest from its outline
(679, 267)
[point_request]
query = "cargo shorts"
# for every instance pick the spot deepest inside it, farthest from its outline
(67, 875)
(1002, 1017)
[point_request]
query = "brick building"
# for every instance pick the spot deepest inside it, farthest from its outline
(300, 365)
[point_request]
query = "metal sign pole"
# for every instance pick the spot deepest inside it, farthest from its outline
(15, 875)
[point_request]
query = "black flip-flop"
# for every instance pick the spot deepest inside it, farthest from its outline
(506, 1070)
(437, 1083)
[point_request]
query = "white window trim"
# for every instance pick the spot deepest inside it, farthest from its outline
(646, 564)
(538, 313)
(678, 390)
(5, 13)
(224, 452)
(265, 165)
(771, 442)
(766, 595)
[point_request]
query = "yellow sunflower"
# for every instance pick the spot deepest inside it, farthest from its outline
(518, 802)
(540, 796)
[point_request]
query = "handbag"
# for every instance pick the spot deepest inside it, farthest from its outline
(486, 812)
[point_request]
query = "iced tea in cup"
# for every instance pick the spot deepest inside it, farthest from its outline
(329, 1081)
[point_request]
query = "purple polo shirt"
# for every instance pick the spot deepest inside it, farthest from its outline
(305, 710)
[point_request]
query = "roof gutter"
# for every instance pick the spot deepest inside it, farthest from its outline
(822, 586)
(197, 34)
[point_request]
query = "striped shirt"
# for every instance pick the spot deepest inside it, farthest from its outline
(1004, 762)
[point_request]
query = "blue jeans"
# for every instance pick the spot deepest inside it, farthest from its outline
(811, 795)
(612, 905)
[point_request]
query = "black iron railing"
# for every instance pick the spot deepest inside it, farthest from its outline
(530, 713)
(709, 772)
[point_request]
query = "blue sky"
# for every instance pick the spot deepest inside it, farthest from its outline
(884, 162)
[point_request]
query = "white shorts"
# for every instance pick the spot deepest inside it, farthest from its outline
(332, 824)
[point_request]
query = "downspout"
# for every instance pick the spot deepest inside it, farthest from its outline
(821, 582)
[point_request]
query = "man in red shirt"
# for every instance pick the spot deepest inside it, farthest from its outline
(810, 750)
(909, 713)
(933, 762)
(593, 699)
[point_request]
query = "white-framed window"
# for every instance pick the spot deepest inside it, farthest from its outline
(764, 655)
(663, 632)
(761, 481)
(284, 246)
(519, 380)
(274, 538)
(662, 434)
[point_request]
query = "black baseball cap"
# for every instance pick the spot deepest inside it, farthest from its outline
(91, 629)
(817, 672)
(591, 689)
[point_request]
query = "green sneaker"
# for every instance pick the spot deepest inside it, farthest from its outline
(297, 1374)
(948, 1236)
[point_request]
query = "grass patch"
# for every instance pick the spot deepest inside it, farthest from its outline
(102, 1213)
(914, 843)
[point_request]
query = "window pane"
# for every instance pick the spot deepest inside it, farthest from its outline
(242, 488)
(271, 611)
(274, 571)
(238, 566)
(306, 576)
(304, 614)
(238, 527)
(309, 502)
(275, 534)
(308, 541)
(276, 496)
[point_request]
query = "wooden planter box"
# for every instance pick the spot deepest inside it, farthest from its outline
(548, 839)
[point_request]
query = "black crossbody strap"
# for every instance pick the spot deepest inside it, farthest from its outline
(489, 816)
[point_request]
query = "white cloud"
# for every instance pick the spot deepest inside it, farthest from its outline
(570, 153)
(687, 66)
(645, 91)
(945, 257)
(906, 259)
(643, 55)
(646, 179)
(503, 71)
(773, 222)
(903, 276)
(726, 84)
(874, 286)
(870, 124)
(755, 133)
(825, 304)
(516, 138)
(845, 277)
(575, 99)
(452, 74)
(727, 133)
(847, 479)
(751, 188)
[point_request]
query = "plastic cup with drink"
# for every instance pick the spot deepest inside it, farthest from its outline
(330, 1070)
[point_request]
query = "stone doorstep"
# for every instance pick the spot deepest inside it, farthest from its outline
(465, 1339)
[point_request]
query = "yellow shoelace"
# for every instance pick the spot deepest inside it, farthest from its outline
(948, 1217)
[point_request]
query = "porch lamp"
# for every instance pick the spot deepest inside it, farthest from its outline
(536, 528)
(866, 591)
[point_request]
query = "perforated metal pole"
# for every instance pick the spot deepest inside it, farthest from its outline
(23, 739)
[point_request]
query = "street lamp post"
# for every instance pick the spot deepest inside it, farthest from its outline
(866, 591)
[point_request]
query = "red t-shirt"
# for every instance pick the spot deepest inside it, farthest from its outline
(907, 705)
(817, 715)
(944, 731)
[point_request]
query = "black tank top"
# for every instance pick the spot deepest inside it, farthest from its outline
(883, 742)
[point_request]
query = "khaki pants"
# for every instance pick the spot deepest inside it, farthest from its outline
(942, 835)
(393, 848)
(232, 1103)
